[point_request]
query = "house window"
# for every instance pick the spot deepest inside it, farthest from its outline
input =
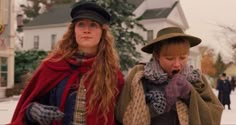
(53, 40)
(149, 35)
(36, 42)
(3, 71)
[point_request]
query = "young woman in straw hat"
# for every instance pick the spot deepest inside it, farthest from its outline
(80, 80)
(166, 91)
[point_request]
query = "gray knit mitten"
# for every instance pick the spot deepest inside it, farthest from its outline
(178, 87)
(43, 114)
(157, 101)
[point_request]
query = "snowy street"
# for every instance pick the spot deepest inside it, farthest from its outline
(7, 107)
(229, 116)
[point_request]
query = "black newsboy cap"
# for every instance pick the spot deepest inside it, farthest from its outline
(89, 10)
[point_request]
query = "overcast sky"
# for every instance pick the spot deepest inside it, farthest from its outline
(204, 15)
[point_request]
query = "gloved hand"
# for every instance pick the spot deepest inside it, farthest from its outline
(178, 87)
(43, 114)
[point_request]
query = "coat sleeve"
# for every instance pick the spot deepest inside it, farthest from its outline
(38, 86)
(204, 107)
(125, 95)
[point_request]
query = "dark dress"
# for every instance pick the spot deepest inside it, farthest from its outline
(224, 88)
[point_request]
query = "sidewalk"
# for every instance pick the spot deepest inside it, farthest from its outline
(229, 116)
(7, 107)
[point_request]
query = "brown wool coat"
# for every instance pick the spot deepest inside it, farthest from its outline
(204, 107)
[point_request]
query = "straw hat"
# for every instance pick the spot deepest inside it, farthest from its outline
(167, 33)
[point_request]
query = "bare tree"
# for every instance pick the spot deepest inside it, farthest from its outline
(227, 38)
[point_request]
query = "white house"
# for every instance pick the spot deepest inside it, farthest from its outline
(47, 28)
(7, 40)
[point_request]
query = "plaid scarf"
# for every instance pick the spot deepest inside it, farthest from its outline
(81, 59)
(154, 73)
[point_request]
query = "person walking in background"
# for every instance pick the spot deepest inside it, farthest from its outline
(78, 83)
(233, 83)
(224, 88)
(166, 91)
(218, 84)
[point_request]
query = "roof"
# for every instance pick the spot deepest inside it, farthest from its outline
(60, 13)
(56, 15)
(158, 13)
(135, 2)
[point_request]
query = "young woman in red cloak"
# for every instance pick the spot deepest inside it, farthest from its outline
(78, 83)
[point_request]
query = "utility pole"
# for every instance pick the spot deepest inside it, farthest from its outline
(11, 49)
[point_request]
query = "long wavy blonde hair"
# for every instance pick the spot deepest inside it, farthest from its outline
(103, 74)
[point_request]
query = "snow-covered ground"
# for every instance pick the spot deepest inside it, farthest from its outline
(229, 116)
(8, 105)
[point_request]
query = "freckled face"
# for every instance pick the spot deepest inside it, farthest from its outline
(173, 58)
(173, 64)
(87, 34)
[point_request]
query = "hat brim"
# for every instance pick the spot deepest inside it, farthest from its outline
(193, 41)
(91, 18)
